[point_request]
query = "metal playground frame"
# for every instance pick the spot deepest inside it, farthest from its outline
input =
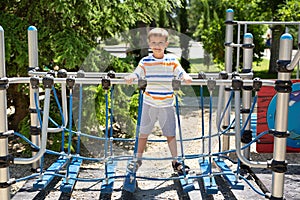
(231, 84)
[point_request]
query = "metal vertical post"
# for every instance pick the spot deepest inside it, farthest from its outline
(228, 67)
(4, 167)
(33, 64)
(247, 91)
(283, 86)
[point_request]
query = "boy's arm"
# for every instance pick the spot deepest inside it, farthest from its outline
(130, 78)
(187, 78)
(138, 72)
(181, 73)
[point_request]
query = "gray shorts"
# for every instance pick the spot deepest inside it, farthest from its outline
(165, 116)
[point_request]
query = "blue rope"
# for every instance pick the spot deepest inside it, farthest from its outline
(249, 116)
(191, 156)
(111, 118)
(79, 119)
(180, 133)
(106, 132)
(70, 122)
(27, 177)
(39, 111)
(122, 176)
(202, 118)
(137, 135)
(62, 118)
(137, 131)
(225, 109)
(209, 133)
(70, 131)
(252, 187)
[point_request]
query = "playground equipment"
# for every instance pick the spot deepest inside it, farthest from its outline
(230, 85)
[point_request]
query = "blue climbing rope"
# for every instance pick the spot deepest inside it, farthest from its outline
(79, 120)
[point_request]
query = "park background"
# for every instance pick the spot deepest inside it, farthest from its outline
(69, 30)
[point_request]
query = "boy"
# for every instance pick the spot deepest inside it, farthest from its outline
(158, 98)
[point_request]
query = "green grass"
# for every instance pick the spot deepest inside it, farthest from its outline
(261, 70)
(197, 65)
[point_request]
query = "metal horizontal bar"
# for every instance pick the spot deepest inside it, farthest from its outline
(96, 81)
(268, 22)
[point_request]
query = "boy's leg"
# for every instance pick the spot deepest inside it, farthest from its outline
(140, 150)
(173, 147)
(148, 119)
(142, 144)
(177, 166)
(167, 122)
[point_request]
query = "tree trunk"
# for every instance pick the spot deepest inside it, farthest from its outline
(277, 31)
(184, 39)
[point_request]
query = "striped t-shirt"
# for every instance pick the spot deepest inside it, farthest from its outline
(153, 69)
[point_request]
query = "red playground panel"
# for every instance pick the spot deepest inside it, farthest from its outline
(265, 143)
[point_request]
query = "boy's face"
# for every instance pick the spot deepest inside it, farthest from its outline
(158, 44)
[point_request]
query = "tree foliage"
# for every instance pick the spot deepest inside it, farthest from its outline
(207, 19)
(68, 35)
(69, 29)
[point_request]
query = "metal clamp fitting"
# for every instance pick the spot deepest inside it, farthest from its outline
(51, 72)
(105, 83)
(3, 83)
(111, 74)
(35, 130)
(275, 198)
(282, 65)
(176, 83)
(234, 74)
(283, 86)
(34, 81)
(278, 166)
(223, 75)
(8, 183)
(70, 82)
(48, 81)
(6, 134)
(201, 75)
(247, 136)
(248, 46)
(230, 22)
(62, 73)
(257, 84)
(142, 83)
(80, 74)
(280, 134)
(228, 44)
(5, 161)
(237, 83)
(211, 84)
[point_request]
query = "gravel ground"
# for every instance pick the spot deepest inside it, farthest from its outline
(150, 190)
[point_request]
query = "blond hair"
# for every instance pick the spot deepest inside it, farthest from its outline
(158, 32)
